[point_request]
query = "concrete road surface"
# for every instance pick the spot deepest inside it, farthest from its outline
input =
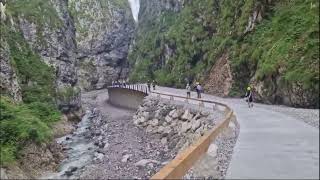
(270, 144)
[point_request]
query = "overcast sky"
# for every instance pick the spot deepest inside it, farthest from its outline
(135, 6)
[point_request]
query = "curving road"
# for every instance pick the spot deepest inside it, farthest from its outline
(271, 144)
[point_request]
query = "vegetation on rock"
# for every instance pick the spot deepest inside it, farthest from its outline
(284, 45)
(30, 120)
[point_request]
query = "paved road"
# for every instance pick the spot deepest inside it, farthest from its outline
(270, 144)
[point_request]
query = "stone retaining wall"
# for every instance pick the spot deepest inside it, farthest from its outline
(177, 125)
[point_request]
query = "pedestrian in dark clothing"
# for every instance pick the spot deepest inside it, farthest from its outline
(188, 88)
(249, 97)
(149, 86)
(154, 84)
(199, 90)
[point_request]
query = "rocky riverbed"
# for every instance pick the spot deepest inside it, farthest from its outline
(111, 142)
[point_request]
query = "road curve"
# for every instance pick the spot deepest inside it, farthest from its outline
(270, 144)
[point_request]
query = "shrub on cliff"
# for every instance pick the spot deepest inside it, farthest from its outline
(22, 123)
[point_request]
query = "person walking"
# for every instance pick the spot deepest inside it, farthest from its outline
(249, 97)
(154, 85)
(124, 83)
(188, 88)
(149, 86)
(198, 89)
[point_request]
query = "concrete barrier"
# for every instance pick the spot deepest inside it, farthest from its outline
(129, 98)
(180, 165)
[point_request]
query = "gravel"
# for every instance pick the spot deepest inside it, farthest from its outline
(309, 116)
(225, 143)
(131, 152)
(127, 151)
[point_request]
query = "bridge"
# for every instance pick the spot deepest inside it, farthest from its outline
(270, 144)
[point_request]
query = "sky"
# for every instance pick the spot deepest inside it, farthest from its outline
(135, 6)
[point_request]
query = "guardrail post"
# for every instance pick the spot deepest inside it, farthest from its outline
(171, 98)
(201, 104)
(214, 106)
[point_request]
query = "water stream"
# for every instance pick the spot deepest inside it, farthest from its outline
(80, 149)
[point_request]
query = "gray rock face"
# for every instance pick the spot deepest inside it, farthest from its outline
(8, 79)
(55, 44)
(87, 46)
(271, 91)
(104, 32)
(155, 7)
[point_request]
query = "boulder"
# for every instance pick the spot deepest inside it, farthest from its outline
(161, 129)
(154, 122)
(212, 150)
(168, 119)
(175, 113)
(125, 158)
(185, 127)
(196, 117)
(205, 113)
(172, 112)
(98, 156)
(164, 141)
(3, 174)
(195, 125)
(71, 170)
(146, 115)
(149, 129)
(144, 162)
(167, 130)
(187, 116)
(139, 120)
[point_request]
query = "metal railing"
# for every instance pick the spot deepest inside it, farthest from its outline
(136, 87)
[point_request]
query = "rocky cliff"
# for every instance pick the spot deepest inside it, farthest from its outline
(228, 45)
(84, 42)
(49, 50)
(104, 31)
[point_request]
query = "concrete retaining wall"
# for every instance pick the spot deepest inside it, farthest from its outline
(125, 98)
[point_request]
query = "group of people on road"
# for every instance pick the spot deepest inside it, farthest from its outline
(199, 89)
(119, 83)
(153, 84)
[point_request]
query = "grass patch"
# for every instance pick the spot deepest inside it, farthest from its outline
(22, 123)
(30, 120)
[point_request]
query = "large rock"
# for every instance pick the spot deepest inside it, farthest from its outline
(187, 116)
(167, 131)
(149, 129)
(154, 122)
(125, 158)
(146, 115)
(144, 162)
(212, 150)
(3, 174)
(168, 119)
(185, 127)
(195, 125)
(164, 141)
